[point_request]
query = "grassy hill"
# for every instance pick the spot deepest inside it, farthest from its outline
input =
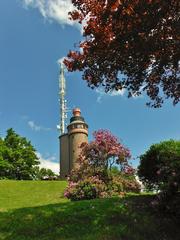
(20, 194)
(37, 210)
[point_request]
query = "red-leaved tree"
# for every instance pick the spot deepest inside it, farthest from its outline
(129, 44)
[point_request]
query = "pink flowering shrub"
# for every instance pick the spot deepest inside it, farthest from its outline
(80, 191)
(92, 176)
(124, 184)
(85, 188)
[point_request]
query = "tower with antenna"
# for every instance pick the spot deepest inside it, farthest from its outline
(63, 136)
(76, 133)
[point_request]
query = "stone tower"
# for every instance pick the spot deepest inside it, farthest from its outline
(70, 142)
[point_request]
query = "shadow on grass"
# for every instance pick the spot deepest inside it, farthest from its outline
(130, 218)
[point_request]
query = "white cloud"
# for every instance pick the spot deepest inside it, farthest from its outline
(36, 128)
(48, 163)
(101, 93)
(117, 93)
(56, 10)
(60, 60)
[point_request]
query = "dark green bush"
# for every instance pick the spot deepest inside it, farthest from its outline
(160, 166)
(160, 170)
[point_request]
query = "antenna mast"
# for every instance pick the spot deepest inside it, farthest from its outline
(62, 93)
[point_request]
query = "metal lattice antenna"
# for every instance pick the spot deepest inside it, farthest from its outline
(63, 102)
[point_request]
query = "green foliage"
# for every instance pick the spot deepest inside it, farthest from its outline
(160, 166)
(17, 157)
(36, 210)
(160, 169)
(44, 173)
(114, 171)
(5, 166)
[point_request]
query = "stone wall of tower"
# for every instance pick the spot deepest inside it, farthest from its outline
(76, 138)
(64, 155)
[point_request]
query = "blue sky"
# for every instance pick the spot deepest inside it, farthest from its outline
(34, 34)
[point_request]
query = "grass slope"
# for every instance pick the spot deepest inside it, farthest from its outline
(37, 211)
(19, 194)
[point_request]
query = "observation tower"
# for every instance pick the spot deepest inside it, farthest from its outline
(70, 138)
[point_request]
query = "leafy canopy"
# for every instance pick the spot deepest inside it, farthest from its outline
(17, 157)
(44, 173)
(160, 166)
(129, 44)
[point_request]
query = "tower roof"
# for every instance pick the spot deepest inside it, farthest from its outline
(76, 115)
(76, 112)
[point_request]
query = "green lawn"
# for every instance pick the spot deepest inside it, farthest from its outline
(21, 194)
(37, 211)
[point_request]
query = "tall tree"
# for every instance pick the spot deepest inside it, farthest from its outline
(18, 156)
(130, 44)
(5, 166)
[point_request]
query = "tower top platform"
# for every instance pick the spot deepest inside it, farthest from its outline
(76, 116)
(76, 112)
